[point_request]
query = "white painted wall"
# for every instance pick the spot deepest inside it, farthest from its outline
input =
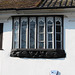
(27, 66)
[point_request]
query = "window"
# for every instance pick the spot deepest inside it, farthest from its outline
(41, 32)
(38, 33)
(1, 35)
(48, 32)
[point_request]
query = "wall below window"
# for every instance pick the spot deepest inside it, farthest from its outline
(38, 53)
(32, 66)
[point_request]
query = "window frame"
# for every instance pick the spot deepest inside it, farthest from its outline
(45, 39)
(24, 18)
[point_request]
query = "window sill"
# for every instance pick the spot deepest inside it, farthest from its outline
(38, 53)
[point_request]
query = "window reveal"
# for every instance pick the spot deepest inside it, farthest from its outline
(49, 32)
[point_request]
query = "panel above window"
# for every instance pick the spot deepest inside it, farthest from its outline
(38, 33)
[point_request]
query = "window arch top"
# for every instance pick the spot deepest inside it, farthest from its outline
(57, 22)
(49, 22)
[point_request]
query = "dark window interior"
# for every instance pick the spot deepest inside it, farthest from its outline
(1, 34)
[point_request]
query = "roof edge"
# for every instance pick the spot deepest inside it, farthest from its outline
(38, 8)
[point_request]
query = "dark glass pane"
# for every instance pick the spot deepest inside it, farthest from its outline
(1, 34)
(58, 28)
(24, 23)
(49, 44)
(49, 28)
(58, 45)
(41, 23)
(49, 37)
(32, 24)
(49, 22)
(23, 45)
(23, 34)
(41, 28)
(58, 37)
(41, 37)
(32, 34)
(41, 44)
(57, 22)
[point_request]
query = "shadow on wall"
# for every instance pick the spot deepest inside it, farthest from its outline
(69, 26)
(7, 26)
(69, 23)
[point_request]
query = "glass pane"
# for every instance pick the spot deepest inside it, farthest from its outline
(15, 37)
(16, 26)
(49, 37)
(58, 37)
(23, 45)
(41, 28)
(41, 44)
(58, 28)
(49, 22)
(15, 44)
(41, 23)
(16, 33)
(49, 44)
(57, 22)
(49, 28)
(58, 45)
(32, 33)
(23, 34)
(41, 37)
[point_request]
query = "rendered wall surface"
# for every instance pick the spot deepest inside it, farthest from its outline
(28, 66)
